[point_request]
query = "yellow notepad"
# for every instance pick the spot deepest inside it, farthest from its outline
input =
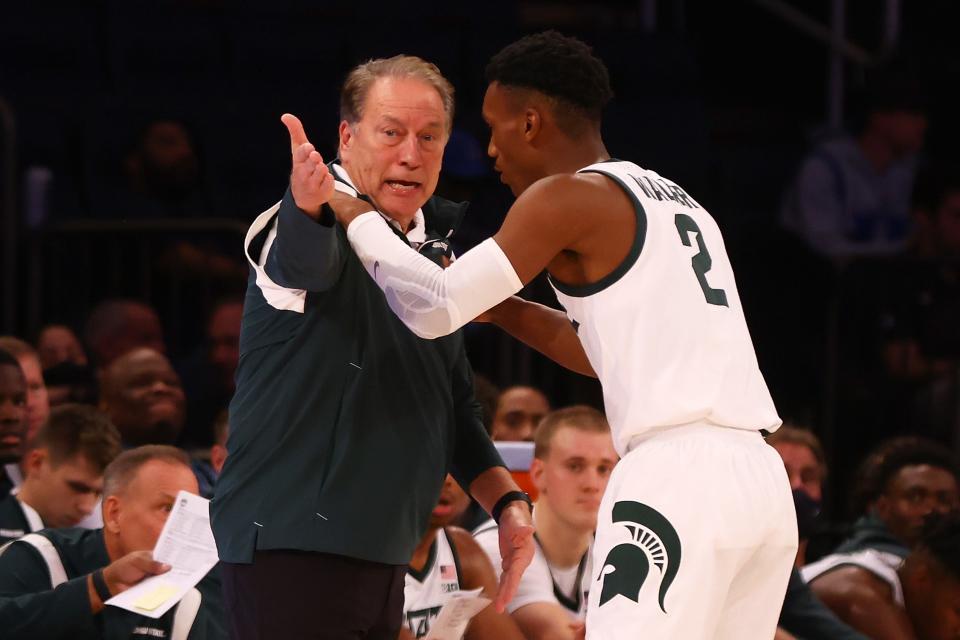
(152, 600)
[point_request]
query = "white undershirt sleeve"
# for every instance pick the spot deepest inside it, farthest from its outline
(430, 300)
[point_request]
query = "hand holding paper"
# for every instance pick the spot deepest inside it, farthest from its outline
(186, 547)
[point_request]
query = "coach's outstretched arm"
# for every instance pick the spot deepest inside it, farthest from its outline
(545, 220)
(303, 252)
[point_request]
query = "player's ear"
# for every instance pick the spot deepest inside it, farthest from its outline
(111, 514)
(34, 460)
(532, 122)
(536, 474)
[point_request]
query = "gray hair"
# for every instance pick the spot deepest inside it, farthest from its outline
(353, 95)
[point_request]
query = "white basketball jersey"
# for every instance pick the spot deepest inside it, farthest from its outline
(665, 331)
(426, 591)
(880, 563)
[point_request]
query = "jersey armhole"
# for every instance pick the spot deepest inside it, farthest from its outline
(582, 291)
(456, 558)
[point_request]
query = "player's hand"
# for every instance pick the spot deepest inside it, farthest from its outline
(516, 549)
(310, 181)
(347, 208)
(122, 574)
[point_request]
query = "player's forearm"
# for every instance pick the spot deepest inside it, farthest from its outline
(431, 301)
(547, 330)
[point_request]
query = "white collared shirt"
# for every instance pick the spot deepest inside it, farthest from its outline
(34, 521)
(14, 473)
(416, 235)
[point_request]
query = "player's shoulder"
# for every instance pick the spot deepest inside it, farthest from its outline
(461, 539)
(566, 185)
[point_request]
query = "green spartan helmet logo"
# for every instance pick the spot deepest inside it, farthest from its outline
(655, 539)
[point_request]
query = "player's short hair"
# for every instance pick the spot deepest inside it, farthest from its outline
(560, 67)
(579, 417)
(941, 540)
(353, 94)
(121, 472)
(16, 347)
(803, 437)
(884, 462)
(77, 429)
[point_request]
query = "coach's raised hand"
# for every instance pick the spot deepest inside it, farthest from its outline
(310, 180)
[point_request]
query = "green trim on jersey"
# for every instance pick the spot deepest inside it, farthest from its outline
(419, 576)
(582, 291)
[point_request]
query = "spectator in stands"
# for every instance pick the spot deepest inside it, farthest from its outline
(163, 174)
(918, 597)
(448, 560)
(807, 469)
(899, 484)
(58, 343)
(852, 194)
(573, 458)
(142, 394)
(207, 465)
(208, 376)
(917, 312)
(13, 421)
(803, 615)
(53, 584)
(38, 404)
(519, 411)
(118, 326)
(487, 395)
(63, 472)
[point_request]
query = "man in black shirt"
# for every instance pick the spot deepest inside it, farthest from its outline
(344, 423)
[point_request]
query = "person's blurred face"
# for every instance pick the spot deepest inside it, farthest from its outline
(519, 411)
(932, 600)
(573, 475)
(144, 398)
(38, 403)
(394, 152)
(57, 344)
(13, 413)
(514, 158)
(451, 505)
(802, 468)
(64, 493)
(904, 131)
(912, 494)
(137, 515)
(223, 334)
(169, 159)
(141, 329)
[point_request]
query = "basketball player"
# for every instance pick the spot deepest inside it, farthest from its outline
(573, 458)
(448, 560)
(696, 531)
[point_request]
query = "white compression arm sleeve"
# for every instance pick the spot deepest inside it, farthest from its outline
(430, 300)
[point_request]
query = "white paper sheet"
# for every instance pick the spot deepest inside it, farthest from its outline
(187, 545)
(454, 616)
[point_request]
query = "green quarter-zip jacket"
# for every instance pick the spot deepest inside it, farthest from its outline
(344, 424)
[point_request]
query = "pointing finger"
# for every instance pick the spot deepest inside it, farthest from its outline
(297, 135)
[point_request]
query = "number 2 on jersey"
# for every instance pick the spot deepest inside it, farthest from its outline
(702, 262)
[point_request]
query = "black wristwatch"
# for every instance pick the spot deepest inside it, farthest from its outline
(507, 498)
